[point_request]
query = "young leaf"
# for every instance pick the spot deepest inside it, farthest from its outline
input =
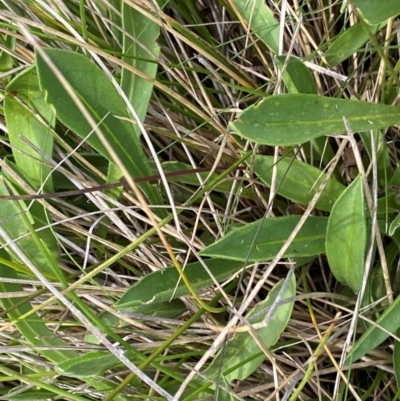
(266, 241)
(346, 236)
(294, 119)
(298, 181)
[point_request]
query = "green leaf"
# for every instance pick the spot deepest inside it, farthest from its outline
(261, 21)
(15, 224)
(268, 236)
(348, 42)
(376, 11)
(346, 236)
(161, 286)
(103, 103)
(37, 216)
(374, 336)
(167, 309)
(294, 119)
(243, 346)
(32, 395)
(7, 56)
(144, 31)
(222, 394)
(394, 225)
(87, 365)
(298, 181)
(33, 119)
(297, 77)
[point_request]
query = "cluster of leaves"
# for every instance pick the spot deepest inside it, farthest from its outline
(106, 87)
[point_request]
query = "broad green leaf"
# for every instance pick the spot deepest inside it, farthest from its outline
(32, 395)
(167, 309)
(348, 42)
(14, 223)
(297, 77)
(294, 119)
(374, 336)
(104, 104)
(33, 120)
(376, 11)
(135, 25)
(261, 21)
(346, 236)
(264, 238)
(298, 181)
(37, 215)
(243, 347)
(87, 365)
(161, 286)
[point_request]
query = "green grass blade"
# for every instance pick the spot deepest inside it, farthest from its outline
(346, 236)
(270, 237)
(294, 119)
